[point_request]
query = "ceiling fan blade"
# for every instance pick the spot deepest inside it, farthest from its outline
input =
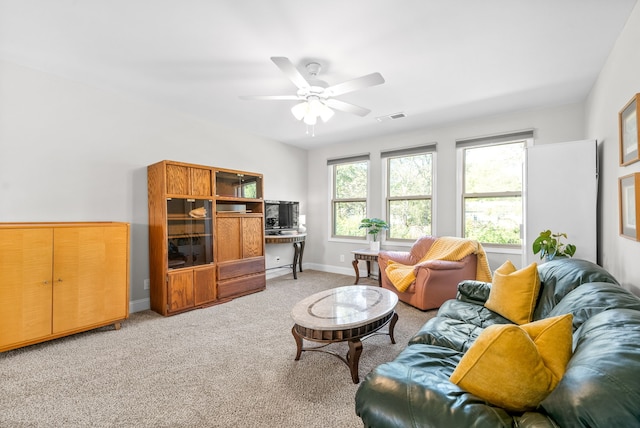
(270, 97)
(290, 71)
(372, 79)
(346, 107)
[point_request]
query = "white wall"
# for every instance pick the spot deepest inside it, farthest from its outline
(552, 125)
(619, 80)
(70, 152)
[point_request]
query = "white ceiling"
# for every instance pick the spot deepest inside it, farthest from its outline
(443, 60)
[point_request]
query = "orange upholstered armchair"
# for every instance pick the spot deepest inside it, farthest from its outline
(435, 280)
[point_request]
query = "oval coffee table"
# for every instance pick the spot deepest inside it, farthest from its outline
(341, 314)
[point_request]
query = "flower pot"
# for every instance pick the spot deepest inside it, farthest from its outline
(374, 245)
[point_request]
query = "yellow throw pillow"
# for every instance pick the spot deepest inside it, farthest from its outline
(514, 292)
(516, 367)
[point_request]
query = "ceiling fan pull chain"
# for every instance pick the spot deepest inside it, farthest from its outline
(313, 130)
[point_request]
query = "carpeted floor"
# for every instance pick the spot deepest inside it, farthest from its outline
(230, 365)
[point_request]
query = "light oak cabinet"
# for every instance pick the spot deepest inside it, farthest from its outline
(58, 279)
(201, 221)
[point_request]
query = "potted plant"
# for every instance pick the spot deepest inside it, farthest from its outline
(374, 226)
(548, 244)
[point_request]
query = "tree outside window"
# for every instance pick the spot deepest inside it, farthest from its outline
(409, 196)
(349, 202)
(492, 193)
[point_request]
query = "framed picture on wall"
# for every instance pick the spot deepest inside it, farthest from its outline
(629, 197)
(629, 132)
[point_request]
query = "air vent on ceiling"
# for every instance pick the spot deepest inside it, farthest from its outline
(393, 116)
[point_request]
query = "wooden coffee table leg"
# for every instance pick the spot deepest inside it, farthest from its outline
(392, 325)
(353, 358)
(298, 339)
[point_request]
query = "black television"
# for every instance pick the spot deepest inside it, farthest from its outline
(280, 216)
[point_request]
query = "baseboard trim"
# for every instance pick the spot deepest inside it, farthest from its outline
(139, 305)
(333, 269)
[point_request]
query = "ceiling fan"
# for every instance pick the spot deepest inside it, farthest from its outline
(316, 95)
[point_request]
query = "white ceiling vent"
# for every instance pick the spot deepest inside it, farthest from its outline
(393, 116)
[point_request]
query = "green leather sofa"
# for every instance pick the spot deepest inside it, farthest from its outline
(600, 388)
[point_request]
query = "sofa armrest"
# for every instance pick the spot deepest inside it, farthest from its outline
(403, 257)
(473, 291)
(440, 265)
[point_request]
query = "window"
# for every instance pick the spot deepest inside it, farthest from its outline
(409, 192)
(349, 195)
(492, 180)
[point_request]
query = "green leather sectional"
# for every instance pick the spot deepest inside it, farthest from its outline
(600, 388)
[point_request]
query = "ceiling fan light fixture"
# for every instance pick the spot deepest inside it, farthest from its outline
(310, 119)
(326, 113)
(309, 111)
(299, 111)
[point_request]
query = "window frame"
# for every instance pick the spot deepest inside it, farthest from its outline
(526, 138)
(386, 157)
(333, 164)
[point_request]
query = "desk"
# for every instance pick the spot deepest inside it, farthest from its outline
(298, 247)
(369, 256)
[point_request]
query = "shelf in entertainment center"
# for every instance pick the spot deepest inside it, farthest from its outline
(189, 235)
(237, 213)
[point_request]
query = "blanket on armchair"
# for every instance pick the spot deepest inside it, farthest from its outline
(444, 248)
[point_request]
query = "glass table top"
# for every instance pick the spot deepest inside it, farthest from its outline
(344, 307)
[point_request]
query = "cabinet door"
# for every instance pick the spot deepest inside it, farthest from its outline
(184, 180)
(252, 237)
(90, 269)
(204, 279)
(201, 182)
(25, 284)
(180, 290)
(228, 235)
(177, 180)
(190, 237)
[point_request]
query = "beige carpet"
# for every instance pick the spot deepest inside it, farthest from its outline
(230, 365)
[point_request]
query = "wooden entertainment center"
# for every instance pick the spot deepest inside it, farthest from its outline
(206, 235)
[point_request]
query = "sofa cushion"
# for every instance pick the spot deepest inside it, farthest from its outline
(516, 367)
(473, 291)
(457, 325)
(600, 387)
(414, 391)
(592, 298)
(514, 292)
(560, 276)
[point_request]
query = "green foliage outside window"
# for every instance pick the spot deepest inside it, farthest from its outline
(351, 180)
(493, 220)
(493, 169)
(493, 193)
(409, 199)
(410, 219)
(347, 216)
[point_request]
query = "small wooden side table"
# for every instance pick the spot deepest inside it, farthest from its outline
(369, 256)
